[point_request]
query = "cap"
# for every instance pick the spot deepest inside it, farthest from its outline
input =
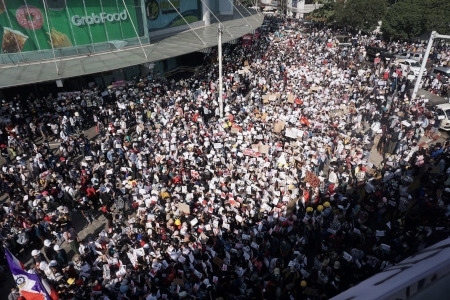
(70, 281)
(177, 222)
(320, 208)
(309, 209)
(53, 263)
(56, 247)
(47, 243)
(303, 284)
(326, 204)
(35, 252)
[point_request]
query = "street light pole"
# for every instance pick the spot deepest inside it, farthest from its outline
(219, 46)
(433, 36)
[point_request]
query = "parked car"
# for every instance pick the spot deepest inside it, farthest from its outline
(443, 112)
(444, 73)
(411, 64)
(417, 56)
(372, 52)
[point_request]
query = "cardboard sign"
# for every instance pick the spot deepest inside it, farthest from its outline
(290, 98)
(312, 179)
(178, 281)
(278, 126)
(183, 207)
(264, 149)
(273, 97)
(218, 261)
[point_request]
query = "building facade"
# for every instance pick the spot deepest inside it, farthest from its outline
(292, 8)
(45, 40)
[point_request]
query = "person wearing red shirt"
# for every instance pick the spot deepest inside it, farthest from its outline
(91, 193)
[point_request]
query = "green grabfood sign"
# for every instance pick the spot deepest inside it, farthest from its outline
(30, 25)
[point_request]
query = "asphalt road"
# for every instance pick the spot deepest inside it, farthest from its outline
(431, 97)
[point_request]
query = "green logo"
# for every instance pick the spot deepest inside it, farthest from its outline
(152, 9)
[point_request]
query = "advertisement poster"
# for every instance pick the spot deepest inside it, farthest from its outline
(30, 25)
(162, 14)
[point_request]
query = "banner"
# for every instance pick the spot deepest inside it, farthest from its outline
(31, 25)
(161, 14)
(30, 285)
(312, 179)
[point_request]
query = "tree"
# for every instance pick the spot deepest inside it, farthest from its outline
(326, 13)
(405, 20)
(438, 16)
(361, 14)
(408, 19)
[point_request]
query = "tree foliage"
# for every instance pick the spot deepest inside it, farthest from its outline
(438, 16)
(405, 20)
(408, 19)
(361, 14)
(401, 19)
(326, 13)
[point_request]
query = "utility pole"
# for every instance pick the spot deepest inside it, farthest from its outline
(433, 36)
(219, 46)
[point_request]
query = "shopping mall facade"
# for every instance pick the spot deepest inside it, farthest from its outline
(55, 40)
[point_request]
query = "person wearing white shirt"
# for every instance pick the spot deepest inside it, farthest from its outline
(333, 178)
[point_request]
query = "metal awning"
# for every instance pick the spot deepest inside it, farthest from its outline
(176, 45)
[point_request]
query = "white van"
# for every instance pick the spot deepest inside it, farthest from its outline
(417, 56)
(443, 112)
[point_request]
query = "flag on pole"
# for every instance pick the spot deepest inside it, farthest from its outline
(30, 285)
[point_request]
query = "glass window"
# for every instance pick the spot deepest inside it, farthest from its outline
(162, 14)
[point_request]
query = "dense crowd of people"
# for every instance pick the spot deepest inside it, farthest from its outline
(281, 198)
